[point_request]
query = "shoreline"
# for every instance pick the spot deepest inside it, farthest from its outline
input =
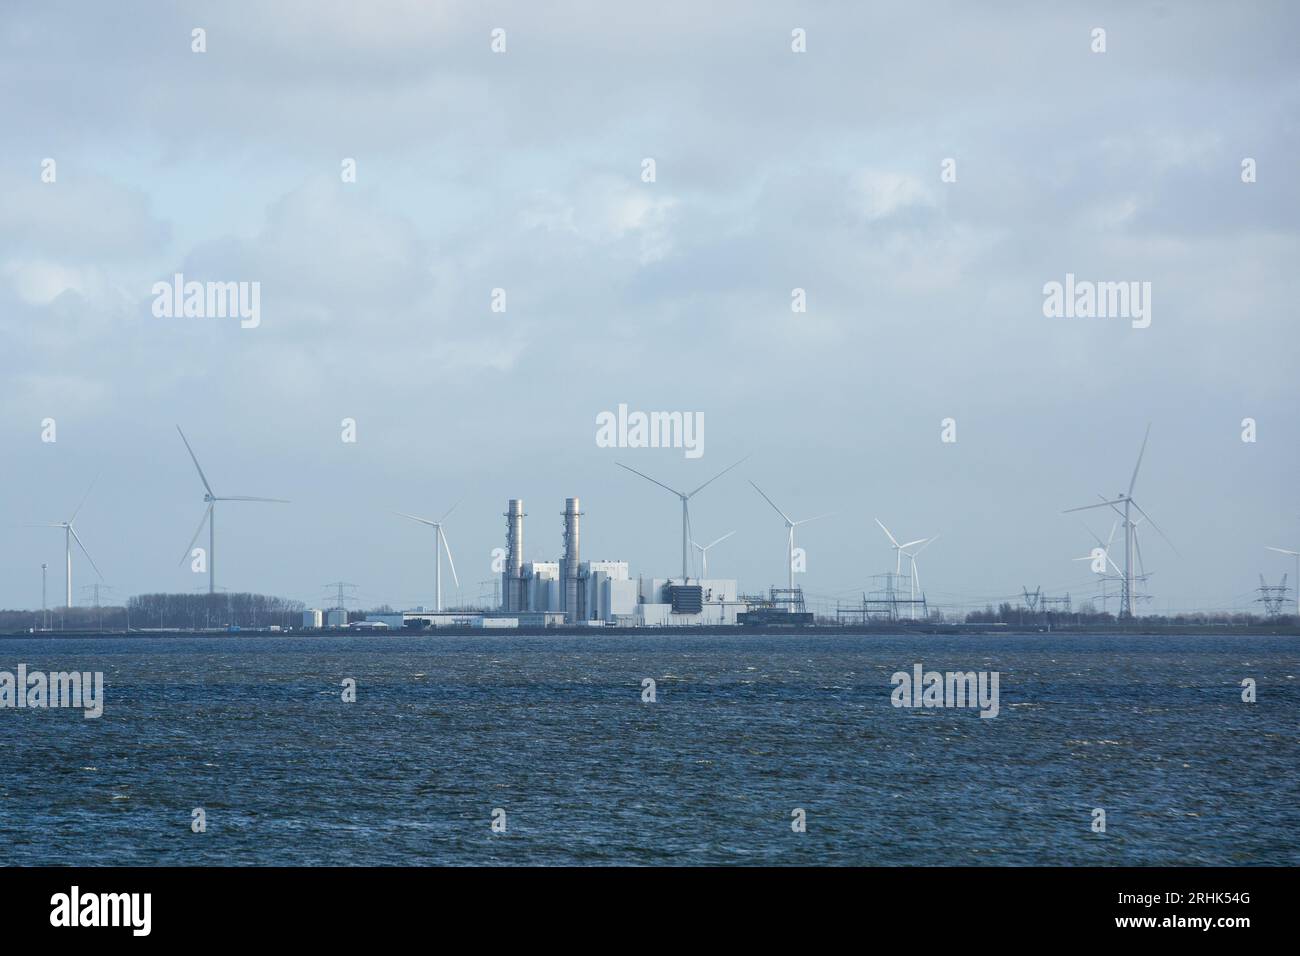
(722, 630)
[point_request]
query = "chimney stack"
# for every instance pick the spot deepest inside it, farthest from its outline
(570, 601)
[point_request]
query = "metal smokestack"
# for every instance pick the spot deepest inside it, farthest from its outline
(513, 576)
(569, 602)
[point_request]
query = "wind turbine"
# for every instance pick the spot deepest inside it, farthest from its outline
(209, 516)
(685, 496)
(899, 551)
(439, 545)
(790, 525)
(70, 535)
(704, 553)
(1294, 554)
(1126, 500)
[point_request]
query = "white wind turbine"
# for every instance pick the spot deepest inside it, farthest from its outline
(1130, 538)
(209, 516)
(704, 552)
(439, 545)
(70, 535)
(1294, 554)
(899, 551)
(790, 525)
(685, 496)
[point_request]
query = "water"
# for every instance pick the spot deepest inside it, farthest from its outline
(745, 729)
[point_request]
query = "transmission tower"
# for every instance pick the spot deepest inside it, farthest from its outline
(343, 597)
(1272, 596)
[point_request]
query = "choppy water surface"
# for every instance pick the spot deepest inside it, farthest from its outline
(745, 729)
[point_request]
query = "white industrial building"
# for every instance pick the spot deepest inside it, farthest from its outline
(541, 586)
(665, 602)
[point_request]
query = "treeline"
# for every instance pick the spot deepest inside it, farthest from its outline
(164, 611)
(196, 611)
(1007, 613)
(65, 619)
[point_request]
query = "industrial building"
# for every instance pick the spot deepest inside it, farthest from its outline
(603, 592)
(572, 592)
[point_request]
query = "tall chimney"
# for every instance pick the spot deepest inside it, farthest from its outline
(569, 566)
(513, 576)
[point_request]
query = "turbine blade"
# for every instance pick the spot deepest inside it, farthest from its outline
(77, 538)
(773, 504)
(917, 541)
(719, 540)
(431, 524)
(83, 499)
(202, 477)
(928, 542)
(648, 478)
(202, 521)
(1156, 526)
(278, 501)
(1134, 479)
(892, 539)
(816, 518)
(1137, 546)
(716, 477)
(1294, 554)
(442, 536)
(451, 509)
(1092, 534)
(1101, 504)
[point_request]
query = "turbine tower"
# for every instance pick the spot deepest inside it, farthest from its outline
(685, 496)
(439, 545)
(899, 551)
(210, 498)
(790, 525)
(1125, 499)
(704, 553)
(69, 535)
(1294, 554)
(1104, 547)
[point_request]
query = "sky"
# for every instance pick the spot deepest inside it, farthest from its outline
(774, 170)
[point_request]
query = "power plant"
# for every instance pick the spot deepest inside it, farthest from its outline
(578, 593)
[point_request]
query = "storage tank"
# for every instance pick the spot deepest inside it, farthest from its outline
(313, 619)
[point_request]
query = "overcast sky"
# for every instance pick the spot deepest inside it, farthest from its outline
(775, 170)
